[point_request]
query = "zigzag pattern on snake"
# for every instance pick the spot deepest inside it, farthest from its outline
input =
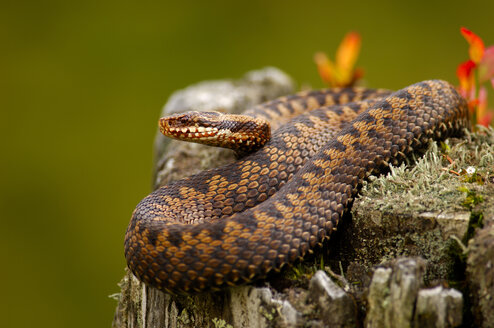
(234, 224)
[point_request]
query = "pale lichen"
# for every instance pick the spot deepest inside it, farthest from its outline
(435, 182)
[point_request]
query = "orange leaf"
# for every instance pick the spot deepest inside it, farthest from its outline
(472, 105)
(347, 55)
(341, 72)
(325, 68)
(482, 103)
(476, 50)
(466, 77)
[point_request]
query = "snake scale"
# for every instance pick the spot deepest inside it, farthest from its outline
(234, 224)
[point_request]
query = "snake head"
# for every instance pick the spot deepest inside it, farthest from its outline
(241, 133)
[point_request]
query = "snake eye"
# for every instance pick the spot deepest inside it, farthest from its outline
(184, 120)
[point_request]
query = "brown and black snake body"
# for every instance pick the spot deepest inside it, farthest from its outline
(234, 224)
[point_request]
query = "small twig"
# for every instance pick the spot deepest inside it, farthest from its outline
(451, 171)
(340, 278)
(449, 159)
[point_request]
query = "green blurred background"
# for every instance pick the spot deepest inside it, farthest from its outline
(81, 87)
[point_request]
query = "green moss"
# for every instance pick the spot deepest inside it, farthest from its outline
(471, 197)
(476, 222)
(269, 314)
(300, 273)
(220, 323)
(184, 318)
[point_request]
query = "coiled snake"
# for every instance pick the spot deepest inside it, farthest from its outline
(236, 223)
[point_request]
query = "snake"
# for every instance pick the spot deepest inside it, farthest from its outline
(289, 189)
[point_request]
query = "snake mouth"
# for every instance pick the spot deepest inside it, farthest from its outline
(181, 127)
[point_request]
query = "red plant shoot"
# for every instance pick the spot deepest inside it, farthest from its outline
(473, 74)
